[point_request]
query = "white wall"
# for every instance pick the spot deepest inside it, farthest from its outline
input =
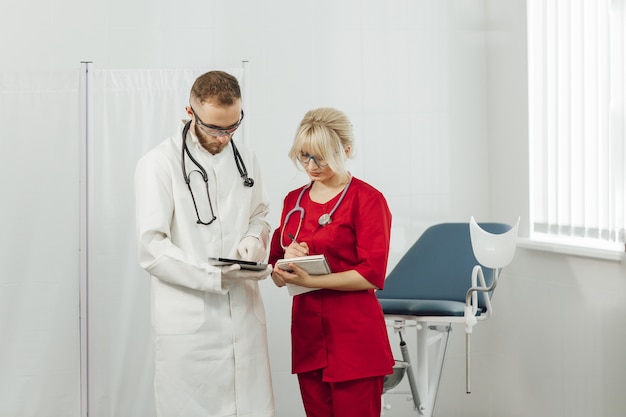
(436, 91)
(555, 348)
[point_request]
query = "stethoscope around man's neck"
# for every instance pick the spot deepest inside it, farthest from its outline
(324, 219)
(241, 167)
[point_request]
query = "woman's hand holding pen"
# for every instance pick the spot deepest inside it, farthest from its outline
(295, 249)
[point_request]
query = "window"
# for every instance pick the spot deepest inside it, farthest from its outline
(576, 110)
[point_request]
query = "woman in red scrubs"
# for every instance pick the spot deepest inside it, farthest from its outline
(340, 346)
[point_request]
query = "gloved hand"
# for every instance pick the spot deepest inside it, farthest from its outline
(251, 249)
(234, 273)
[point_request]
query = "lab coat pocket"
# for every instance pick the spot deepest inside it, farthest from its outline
(176, 309)
(254, 294)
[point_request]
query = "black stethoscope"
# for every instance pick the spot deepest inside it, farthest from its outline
(324, 219)
(241, 167)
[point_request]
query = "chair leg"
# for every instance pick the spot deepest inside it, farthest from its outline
(428, 380)
(409, 372)
(444, 337)
(432, 344)
(468, 389)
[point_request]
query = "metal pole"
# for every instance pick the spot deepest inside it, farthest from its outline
(467, 364)
(246, 101)
(85, 89)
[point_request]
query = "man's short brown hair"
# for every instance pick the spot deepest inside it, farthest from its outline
(216, 86)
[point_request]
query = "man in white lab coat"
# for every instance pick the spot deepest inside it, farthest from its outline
(198, 195)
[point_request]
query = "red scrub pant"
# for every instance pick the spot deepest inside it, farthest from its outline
(355, 398)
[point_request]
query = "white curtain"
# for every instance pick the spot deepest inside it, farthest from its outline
(39, 303)
(44, 260)
(133, 111)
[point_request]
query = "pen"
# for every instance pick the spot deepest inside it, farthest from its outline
(293, 239)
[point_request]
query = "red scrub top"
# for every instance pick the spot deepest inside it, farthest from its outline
(343, 333)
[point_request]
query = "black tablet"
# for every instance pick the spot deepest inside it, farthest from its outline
(251, 265)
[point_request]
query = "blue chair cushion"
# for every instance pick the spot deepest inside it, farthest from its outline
(433, 277)
(421, 308)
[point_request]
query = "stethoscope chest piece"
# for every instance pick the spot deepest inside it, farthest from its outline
(324, 219)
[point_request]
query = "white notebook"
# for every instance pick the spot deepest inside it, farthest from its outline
(313, 264)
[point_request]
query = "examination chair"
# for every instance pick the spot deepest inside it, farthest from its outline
(437, 283)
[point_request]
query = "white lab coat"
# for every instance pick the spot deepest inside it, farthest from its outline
(211, 355)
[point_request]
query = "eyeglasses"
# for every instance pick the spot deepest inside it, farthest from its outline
(304, 159)
(216, 131)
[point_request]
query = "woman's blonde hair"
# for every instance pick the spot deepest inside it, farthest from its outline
(326, 133)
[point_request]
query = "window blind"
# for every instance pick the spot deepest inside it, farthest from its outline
(576, 113)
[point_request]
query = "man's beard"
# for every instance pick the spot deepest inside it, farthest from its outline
(210, 143)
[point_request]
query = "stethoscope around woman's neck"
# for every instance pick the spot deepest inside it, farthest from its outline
(324, 219)
(241, 167)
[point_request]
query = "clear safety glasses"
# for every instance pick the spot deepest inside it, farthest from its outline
(304, 159)
(216, 131)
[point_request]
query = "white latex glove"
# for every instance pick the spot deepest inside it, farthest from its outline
(234, 273)
(251, 249)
